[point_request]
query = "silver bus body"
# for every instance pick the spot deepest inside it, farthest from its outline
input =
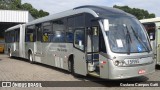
(90, 52)
(16, 48)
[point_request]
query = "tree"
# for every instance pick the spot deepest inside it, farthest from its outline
(42, 13)
(26, 6)
(139, 13)
(5, 4)
(10, 4)
(35, 13)
(16, 5)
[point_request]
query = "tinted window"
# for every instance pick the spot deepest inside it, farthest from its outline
(79, 39)
(70, 28)
(79, 21)
(59, 36)
(10, 36)
(17, 35)
(102, 43)
(47, 32)
(70, 23)
(39, 32)
(58, 25)
(59, 31)
(30, 34)
(69, 35)
(12, 33)
(88, 18)
(151, 30)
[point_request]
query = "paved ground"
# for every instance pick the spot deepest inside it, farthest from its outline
(16, 69)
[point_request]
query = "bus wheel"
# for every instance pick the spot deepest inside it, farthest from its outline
(9, 53)
(71, 66)
(30, 57)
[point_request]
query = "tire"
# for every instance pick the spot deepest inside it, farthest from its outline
(71, 66)
(30, 57)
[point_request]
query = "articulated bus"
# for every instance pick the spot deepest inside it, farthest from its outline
(152, 26)
(14, 38)
(87, 40)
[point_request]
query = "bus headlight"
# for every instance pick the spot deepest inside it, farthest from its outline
(116, 63)
(119, 63)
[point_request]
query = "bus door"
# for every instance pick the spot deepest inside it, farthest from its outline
(79, 51)
(38, 44)
(93, 51)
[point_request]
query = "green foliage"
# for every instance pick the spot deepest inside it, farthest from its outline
(35, 13)
(139, 13)
(16, 5)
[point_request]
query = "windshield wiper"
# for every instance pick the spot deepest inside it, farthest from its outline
(128, 38)
(139, 39)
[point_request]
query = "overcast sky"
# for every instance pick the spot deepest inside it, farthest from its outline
(55, 6)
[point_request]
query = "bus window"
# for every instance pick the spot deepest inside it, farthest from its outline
(47, 32)
(69, 36)
(70, 27)
(102, 45)
(12, 35)
(79, 21)
(39, 32)
(59, 31)
(95, 39)
(79, 39)
(88, 19)
(59, 36)
(150, 27)
(7, 37)
(30, 34)
(17, 33)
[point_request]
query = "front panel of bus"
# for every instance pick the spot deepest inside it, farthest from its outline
(128, 48)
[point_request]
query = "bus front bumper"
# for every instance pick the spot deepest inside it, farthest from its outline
(129, 72)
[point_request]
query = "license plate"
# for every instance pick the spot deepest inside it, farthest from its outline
(141, 71)
(131, 61)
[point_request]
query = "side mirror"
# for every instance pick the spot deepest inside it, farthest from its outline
(106, 24)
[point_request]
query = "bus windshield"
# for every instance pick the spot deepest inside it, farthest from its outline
(126, 35)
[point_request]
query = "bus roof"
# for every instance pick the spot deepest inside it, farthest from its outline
(157, 19)
(109, 10)
(96, 11)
